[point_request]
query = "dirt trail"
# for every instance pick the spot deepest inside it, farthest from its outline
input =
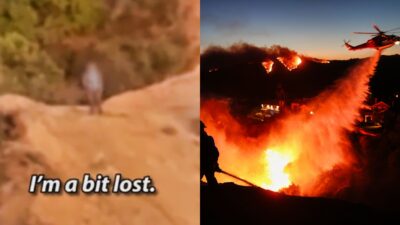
(153, 131)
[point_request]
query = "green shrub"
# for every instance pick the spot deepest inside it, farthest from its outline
(45, 44)
(26, 68)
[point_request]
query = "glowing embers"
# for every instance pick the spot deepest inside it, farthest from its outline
(267, 64)
(324, 61)
(211, 70)
(277, 177)
(290, 62)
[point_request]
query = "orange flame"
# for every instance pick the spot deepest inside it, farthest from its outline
(277, 177)
(290, 62)
(268, 65)
(302, 147)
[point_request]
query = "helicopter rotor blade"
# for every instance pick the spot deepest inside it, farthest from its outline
(377, 28)
(398, 28)
(364, 33)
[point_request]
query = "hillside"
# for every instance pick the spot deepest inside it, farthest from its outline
(152, 131)
(45, 45)
(251, 82)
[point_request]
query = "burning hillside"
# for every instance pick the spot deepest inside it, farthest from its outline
(216, 57)
(298, 153)
(291, 62)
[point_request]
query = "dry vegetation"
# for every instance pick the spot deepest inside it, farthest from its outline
(45, 44)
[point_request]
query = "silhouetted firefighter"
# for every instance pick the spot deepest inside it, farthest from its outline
(208, 157)
(93, 84)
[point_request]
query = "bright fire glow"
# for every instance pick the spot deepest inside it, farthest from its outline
(303, 151)
(276, 164)
(268, 65)
(397, 42)
(297, 60)
(291, 62)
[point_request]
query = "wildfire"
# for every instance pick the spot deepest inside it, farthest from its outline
(303, 148)
(268, 65)
(297, 61)
(291, 62)
(275, 168)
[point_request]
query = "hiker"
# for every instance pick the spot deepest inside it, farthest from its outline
(92, 81)
(208, 157)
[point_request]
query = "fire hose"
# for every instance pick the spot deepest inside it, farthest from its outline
(238, 178)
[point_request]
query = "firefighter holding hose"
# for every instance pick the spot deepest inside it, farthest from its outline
(208, 157)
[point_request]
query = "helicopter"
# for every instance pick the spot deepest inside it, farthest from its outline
(381, 40)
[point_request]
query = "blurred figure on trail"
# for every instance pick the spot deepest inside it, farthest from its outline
(208, 157)
(92, 81)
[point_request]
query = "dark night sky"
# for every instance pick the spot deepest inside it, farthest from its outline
(311, 27)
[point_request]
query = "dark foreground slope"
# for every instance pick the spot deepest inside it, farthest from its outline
(232, 204)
